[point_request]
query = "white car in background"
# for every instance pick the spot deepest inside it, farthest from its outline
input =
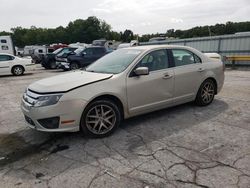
(120, 85)
(10, 64)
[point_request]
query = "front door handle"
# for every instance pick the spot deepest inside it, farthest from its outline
(201, 69)
(167, 76)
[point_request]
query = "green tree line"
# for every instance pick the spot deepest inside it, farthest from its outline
(93, 28)
(202, 31)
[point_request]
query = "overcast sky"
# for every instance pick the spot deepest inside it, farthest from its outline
(141, 16)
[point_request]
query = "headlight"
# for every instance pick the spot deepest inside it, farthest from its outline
(47, 100)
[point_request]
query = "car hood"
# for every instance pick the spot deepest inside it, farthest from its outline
(66, 82)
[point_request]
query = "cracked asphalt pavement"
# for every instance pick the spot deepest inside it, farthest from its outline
(184, 146)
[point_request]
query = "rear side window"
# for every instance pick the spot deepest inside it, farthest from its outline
(3, 41)
(184, 57)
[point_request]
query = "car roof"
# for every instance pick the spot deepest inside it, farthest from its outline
(6, 54)
(149, 47)
(152, 47)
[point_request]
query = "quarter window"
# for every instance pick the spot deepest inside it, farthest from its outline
(184, 57)
(155, 60)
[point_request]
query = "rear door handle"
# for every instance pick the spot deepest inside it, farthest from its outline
(167, 76)
(201, 70)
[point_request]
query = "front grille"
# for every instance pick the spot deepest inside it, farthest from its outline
(29, 120)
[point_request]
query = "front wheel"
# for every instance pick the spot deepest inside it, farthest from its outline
(206, 93)
(100, 118)
(18, 70)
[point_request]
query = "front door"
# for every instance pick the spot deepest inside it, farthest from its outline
(155, 90)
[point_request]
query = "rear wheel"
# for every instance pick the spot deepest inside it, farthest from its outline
(206, 93)
(74, 66)
(100, 118)
(17, 70)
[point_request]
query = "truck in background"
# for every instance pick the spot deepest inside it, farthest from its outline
(6, 45)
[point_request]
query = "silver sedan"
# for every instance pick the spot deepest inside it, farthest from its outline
(122, 84)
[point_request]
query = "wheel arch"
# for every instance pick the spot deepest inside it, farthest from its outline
(17, 65)
(112, 98)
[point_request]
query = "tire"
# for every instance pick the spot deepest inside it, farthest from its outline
(206, 93)
(52, 65)
(17, 70)
(74, 66)
(100, 118)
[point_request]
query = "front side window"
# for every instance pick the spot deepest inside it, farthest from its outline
(155, 60)
(6, 58)
(184, 57)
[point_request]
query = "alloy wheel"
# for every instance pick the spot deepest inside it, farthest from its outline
(207, 92)
(18, 71)
(100, 119)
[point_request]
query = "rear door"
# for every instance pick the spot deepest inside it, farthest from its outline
(189, 73)
(5, 63)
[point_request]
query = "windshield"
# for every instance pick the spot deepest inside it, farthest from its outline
(114, 62)
(57, 51)
(79, 50)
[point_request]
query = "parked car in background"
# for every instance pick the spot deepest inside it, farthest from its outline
(126, 45)
(10, 64)
(120, 85)
(39, 53)
(49, 60)
(62, 56)
(79, 45)
(108, 44)
(6, 45)
(84, 58)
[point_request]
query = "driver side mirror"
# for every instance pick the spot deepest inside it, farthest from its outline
(141, 71)
(83, 53)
